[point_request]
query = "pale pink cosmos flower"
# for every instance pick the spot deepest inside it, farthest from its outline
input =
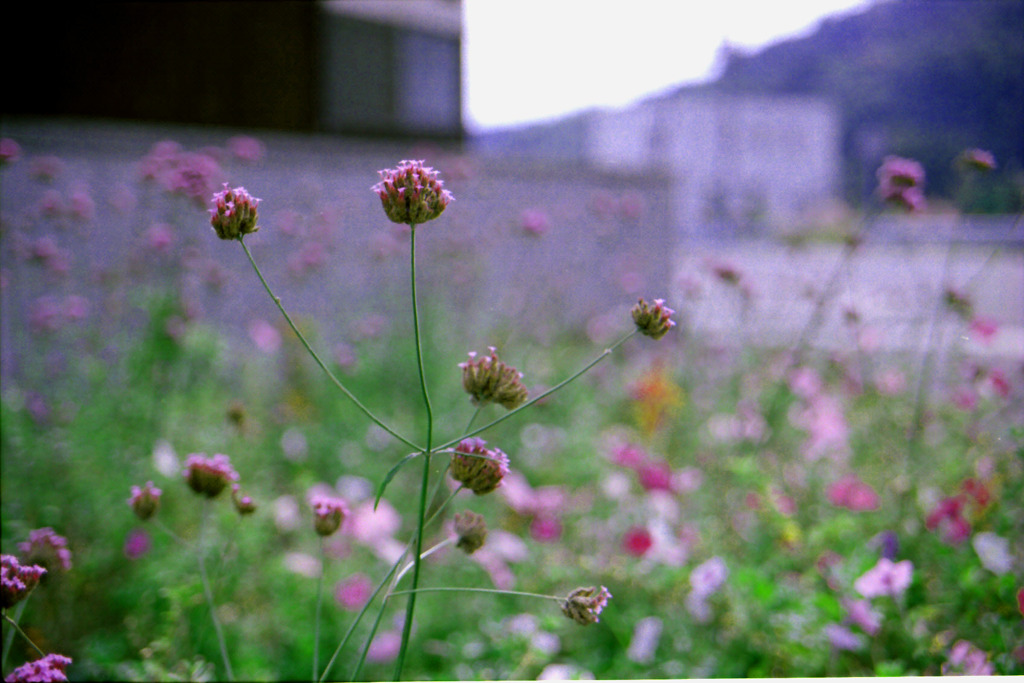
(385, 647)
(885, 578)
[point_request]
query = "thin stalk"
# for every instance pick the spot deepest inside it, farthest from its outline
(337, 382)
(319, 604)
(369, 641)
(426, 553)
(443, 589)
(425, 481)
(13, 623)
(209, 593)
(604, 354)
(9, 638)
(355, 622)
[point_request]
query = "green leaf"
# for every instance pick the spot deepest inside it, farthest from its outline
(391, 475)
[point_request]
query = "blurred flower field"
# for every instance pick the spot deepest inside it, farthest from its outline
(750, 509)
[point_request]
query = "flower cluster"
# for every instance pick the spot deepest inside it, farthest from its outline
(471, 530)
(17, 580)
(328, 514)
(412, 193)
(209, 476)
(654, 321)
(900, 182)
(45, 670)
(477, 467)
(48, 549)
(489, 380)
(977, 160)
(243, 503)
(885, 578)
(145, 501)
(584, 605)
(234, 213)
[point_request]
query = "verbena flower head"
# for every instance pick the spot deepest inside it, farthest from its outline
(244, 504)
(145, 501)
(234, 213)
(479, 468)
(489, 380)
(654, 321)
(901, 182)
(412, 193)
(328, 514)
(584, 605)
(44, 670)
(48, 549)
(977, 160)
(471, 530)
(209, 476)
(17, 580)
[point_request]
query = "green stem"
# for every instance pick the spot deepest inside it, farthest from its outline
(477, 590)
(209, 593)
(337, 382)
(359, 617)
(604, 354)
(319, 604)
(13, 623)
(9, 638)
(426, 553)
(425, 481)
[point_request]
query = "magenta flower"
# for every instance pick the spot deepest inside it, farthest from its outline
(535, 222)
(653, 321)
(328, 514)
(137, 544)
(17, 580)
(193, 175)
(145, 501)
(46, 670)
(412, 193)
(966, 658)
(10, 151)
(546, 528)
(244, 503)
(656, 476)
(860, 613)
(978, 160)
(708, 577)
(853, 494)
(637, 541)
(984, 329)
(234, 213)
(885, 578)
(48, 549)
(209, 476)
(948, 518)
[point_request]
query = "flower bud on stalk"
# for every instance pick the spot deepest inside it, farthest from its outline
(209, 476)
(478, 468)
(412, 193)
(234, 213)
(490, 380)
(472, 531)
(653, 321)
(328, 514)
(583, 605)
(145, 501)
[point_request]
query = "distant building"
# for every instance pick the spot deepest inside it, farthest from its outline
(735, 163)
(373, 67)
(734, 160)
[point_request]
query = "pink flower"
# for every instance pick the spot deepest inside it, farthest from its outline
(850, 492)
(46, 167)
(328, 514)
(193, 175)
(708, 577)
(48, 549)
(352, 593)
(827, 429)
(246, 148)
(265, 336)
(978, 160)
(948, 517)
(137, 544)
(628, 455)
(900, 183)
(546, 528)
(17, 580)
(385, 647)
(656, 476)
(885, 578)
(984, 329)
(534, 221)
(10, 151)
(637, 541)
(145, 500)
(860, 613)
(209, 476)
(159, 237)
(965, 658)
(891, 382)
(477, 467)
(82, 205)
(841, 638)
(805, 382)
(965, 399)
(234, 214)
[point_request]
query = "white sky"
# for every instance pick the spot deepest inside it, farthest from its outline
(529, 60)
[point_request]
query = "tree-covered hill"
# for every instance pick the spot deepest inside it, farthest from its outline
(920, 78)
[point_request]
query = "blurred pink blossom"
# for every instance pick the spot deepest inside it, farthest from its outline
(159, 237)
(51, 204)
(827, 428)
(534, 222)
(385, 647)
(841, 638)
(983, 329)
(900, 182)
(860, 613)
(965, 398)
(265, 336)
(631, 205)
(850, 492)
(967, 659)
(82, 206)
(546, 528)
(246, 148)
(637, 541)
(993, 551)
(805, 382)
(10, 151)
(947, 517)
(891, 382)
(137, 544)
(656, 476)
(352, 593)
(885, 578)
(46, 167)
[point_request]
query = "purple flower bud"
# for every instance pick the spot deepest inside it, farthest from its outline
(328, 514)
(478, 468)
(234, 213)
(583, 605)
(209, 476)
(48, 549)
(653, 321)
(412, 193)
(490, 380)
(472, 531)
(243, 503)
(978, 160)
(145, 501)
(17, 580)
(49, 668)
